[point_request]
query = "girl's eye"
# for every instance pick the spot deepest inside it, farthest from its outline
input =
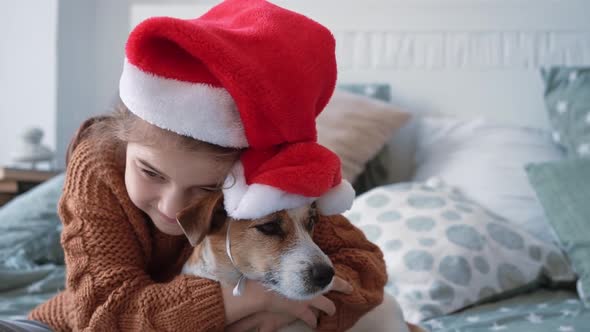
(149, 173)
(203, 190)
(270, 228)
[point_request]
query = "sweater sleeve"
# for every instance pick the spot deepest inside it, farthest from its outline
(108, 287)
(355, 260)
(111, 290)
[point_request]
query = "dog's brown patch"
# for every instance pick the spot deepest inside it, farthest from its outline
(202, 216)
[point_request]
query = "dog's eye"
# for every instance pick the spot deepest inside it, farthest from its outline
(270, 228)
(311, 224)
(313, 218)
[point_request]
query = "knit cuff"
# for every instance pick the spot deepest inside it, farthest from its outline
(202, 310)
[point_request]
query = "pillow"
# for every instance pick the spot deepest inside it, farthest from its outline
(379, 91)
(402, 151)
(356, 128)
(30, 227)
(564, 190)
(445, 252)
(377, 170)
(486, 162)
(395, 161)
(567, 98)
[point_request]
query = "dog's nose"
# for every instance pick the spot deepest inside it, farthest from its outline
(321, 275)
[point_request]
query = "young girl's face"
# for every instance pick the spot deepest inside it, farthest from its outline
(161, 182)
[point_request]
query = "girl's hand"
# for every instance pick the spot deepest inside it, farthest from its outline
(257, 300)
(341, 285)
(307, 310)
(239, 307)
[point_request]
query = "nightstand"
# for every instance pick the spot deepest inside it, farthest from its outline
(15, 181)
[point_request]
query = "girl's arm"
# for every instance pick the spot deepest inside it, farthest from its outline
(108, 286)
(106, 245)
(355, 260)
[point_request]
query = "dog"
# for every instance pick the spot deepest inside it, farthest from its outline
(276, 250)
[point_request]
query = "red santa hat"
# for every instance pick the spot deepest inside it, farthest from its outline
(247, 74)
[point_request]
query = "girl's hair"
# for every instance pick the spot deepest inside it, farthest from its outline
(121, 127)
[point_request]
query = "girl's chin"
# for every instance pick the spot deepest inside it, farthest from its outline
(166, 226)
(169, 229)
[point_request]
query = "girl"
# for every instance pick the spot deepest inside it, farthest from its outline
(227, 102)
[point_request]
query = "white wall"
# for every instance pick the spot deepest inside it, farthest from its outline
(60, 61)
(464, 58)
(27, 71)
(91, 50)
(91, 44)
(88, 38)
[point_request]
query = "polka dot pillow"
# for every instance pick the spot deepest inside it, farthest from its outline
(568, 105)
(444, 252)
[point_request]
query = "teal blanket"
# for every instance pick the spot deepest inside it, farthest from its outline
(540, 311)
(21, 291)
(31, 258)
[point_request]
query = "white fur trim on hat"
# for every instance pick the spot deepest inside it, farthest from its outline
(337, 199)
(201, 111)
(243, 201)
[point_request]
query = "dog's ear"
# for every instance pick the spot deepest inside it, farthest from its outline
(202, 216)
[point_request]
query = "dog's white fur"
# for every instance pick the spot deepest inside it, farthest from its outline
(290, 276)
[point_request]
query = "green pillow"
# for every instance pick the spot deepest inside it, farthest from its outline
(563, 188)
(567, 98)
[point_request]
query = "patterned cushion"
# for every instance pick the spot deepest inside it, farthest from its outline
(444, 252)
(486, 161)
(567, 98)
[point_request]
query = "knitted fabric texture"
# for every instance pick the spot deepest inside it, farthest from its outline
(124, 275)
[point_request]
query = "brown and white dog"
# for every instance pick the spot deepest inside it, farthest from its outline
(276, 250)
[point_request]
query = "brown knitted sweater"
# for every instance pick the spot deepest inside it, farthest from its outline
(123, 273)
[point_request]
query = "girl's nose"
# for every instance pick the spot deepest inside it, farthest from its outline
(171, 202)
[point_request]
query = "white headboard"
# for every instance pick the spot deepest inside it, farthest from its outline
(462, 57)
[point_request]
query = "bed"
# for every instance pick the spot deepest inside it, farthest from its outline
(453, 103)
